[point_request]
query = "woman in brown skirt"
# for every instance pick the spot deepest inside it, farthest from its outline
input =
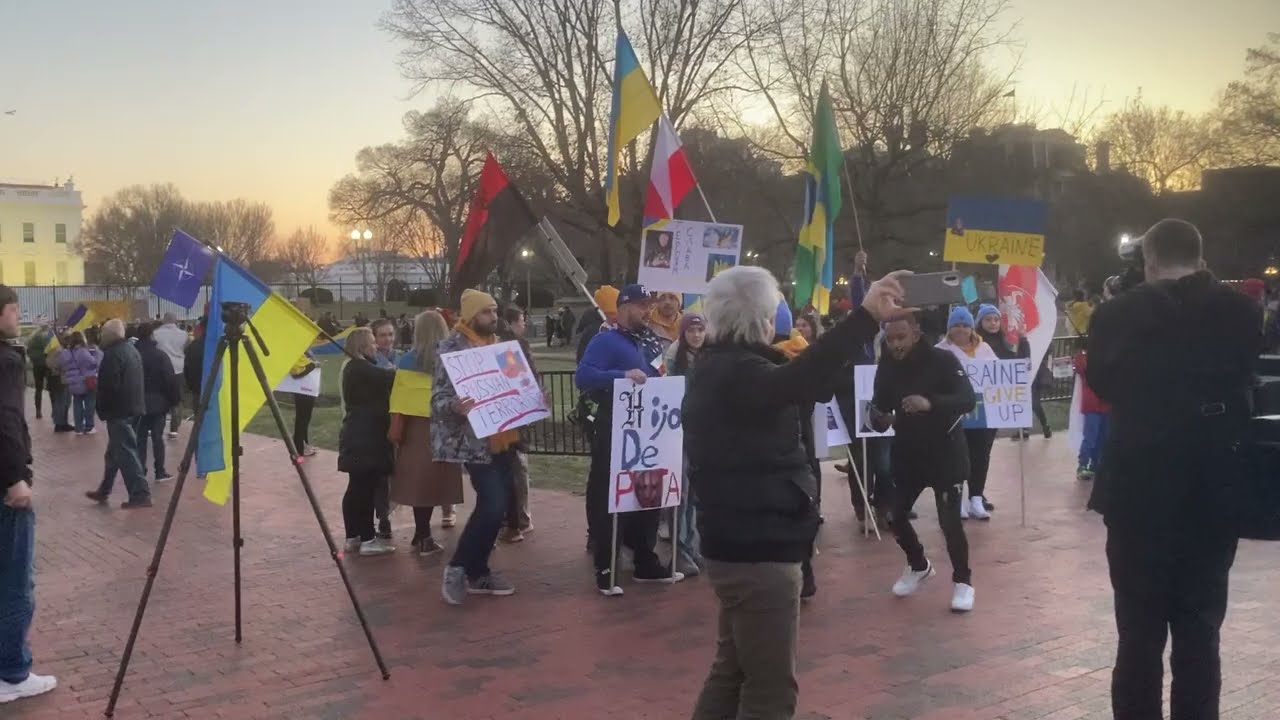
(419, 481)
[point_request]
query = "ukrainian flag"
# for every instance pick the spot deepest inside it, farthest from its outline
(324, 347)
(635, 108)
(815, 254)
(287, 332)
(79, 319)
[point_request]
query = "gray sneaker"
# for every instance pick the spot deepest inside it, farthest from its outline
(377, 546)
(491, 584)
(353, 545)
(454, 588)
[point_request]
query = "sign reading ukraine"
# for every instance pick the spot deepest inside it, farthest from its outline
(995, 231)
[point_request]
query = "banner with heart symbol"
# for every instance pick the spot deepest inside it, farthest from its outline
(995, 231)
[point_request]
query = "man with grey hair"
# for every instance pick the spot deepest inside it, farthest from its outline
(121, 402)
(173, 341)
(756, 492)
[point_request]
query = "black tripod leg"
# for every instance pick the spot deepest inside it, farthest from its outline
(315, 504)
(183, 470)
(237, 542)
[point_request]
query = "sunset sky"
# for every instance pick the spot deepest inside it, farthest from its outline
(269, 100)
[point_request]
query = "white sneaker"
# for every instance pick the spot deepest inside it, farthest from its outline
(32, 686)
(977, 509)
(173, 435)
(964, 509)
(911, 580)
(962, 598)
(377, 546)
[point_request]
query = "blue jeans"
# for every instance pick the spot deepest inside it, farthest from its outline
(152, 426)
(84, 407)
(122, 455)
(1095, 433)
(492, 483)
(17, 591)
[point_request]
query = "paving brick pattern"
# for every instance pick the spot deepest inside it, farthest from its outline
(1038, 646)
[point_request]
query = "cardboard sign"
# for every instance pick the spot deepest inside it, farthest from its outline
(1003, 389)
(829, 430)
(864, 389)
(995, 231)
(498, 378)
(308, 384)
(646, 463)
(682, 255)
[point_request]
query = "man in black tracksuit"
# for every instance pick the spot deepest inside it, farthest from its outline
(1175, 357)
(922, 392)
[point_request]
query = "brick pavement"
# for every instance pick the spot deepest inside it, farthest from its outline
(1038, 646)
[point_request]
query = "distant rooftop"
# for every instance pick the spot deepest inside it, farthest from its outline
(67, 185)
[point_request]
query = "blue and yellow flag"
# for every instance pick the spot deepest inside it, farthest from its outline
(79, 319)
(815, 253)
(324, 347)
(287, 332)
(635, 108)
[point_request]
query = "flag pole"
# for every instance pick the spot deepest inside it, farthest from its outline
(705, 204)
(853, 203)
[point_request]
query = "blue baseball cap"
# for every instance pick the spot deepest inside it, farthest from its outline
(634, 292)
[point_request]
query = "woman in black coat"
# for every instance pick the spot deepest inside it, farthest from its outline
(757, 505)
(364, 450)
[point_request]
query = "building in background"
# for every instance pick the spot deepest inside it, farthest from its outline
(40, 235)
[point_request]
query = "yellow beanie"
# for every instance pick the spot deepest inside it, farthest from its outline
(473, 302)
(607, 298)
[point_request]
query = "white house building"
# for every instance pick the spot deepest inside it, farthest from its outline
(348, 276)
(40, 235)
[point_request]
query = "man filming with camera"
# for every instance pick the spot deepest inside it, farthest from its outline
(1175, 357)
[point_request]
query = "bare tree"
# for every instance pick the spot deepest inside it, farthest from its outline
(543, 68)
(909, 79)
(127, 235)
(243, 229)
(1251, 107)
(1168, 148)
(306, 256)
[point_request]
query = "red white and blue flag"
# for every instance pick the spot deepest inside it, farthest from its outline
(670, 178)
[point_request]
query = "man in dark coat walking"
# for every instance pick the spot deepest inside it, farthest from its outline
(161, 393)
(121, 401)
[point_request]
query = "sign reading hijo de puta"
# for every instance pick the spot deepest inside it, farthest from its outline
(646, 459)
(497, 377)
(1003, 389)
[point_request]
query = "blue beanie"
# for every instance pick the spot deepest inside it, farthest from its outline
(782, 321)
(987, 309)
(960, 315)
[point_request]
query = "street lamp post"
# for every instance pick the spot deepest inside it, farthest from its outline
(361, 240)
(527, 255)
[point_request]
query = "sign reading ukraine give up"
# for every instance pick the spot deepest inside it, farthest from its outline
(498, 378)
(995, 231)
(1003, 390)
(647, 457)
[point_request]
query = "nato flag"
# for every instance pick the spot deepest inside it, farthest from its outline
(182, 270)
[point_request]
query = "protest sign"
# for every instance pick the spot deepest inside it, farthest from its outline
(864, 389)
(646, 463)
(995, 231)
(308, 384)
(498, 378)
(829, 430)
(682, 255)
(1003, 389)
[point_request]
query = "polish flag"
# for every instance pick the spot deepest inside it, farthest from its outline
(1028, 303)
(671, 177)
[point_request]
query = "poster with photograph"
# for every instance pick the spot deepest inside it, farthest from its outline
(864, 389)
(499, 379)
(682, 255)
(646, 464)
(829, 430)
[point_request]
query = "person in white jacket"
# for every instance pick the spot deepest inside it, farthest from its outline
(963, 341)
(173, 341)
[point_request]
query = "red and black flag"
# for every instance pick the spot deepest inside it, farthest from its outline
(498, 218)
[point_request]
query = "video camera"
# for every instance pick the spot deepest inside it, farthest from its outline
(1133, 275)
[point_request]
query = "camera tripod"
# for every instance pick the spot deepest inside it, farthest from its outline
(235, 317)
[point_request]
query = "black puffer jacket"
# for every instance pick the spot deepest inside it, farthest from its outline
(363, 446)
(744, 430)
(120, 385)
(160, 385)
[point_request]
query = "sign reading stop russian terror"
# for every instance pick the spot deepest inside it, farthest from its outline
(647, 457)
(498, 378)
(1003, 390)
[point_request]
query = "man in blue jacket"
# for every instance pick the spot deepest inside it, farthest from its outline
(629, 350)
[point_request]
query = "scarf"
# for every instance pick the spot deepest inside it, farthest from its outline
(507, 439)
(792, 346)
(667, 328)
